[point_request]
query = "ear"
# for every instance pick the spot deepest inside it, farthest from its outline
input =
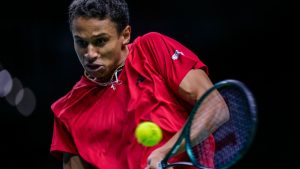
(126, 34)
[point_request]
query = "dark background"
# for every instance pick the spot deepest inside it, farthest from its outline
(252, 41)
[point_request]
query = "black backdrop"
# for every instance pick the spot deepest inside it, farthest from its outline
(246, 40)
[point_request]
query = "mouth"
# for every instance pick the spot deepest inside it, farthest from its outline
(94, 67)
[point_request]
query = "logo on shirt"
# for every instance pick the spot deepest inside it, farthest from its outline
(176, 55)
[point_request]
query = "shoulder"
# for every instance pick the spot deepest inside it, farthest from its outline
(72, 96)
(151, 38)
(152, 35)
(156, 37)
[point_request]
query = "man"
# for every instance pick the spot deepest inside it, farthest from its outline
(154, 78)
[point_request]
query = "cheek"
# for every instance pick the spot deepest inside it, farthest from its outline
(79, 54)
(114, 57)
(110, 54)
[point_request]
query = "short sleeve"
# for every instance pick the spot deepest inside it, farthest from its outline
(61, 140)
(170, 58)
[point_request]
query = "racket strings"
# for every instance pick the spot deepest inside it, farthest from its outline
(204, 149)
(232, 138)
(204, 152)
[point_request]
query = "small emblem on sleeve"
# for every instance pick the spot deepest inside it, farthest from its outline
(176, 55)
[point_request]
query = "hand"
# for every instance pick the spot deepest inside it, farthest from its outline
(155, 158)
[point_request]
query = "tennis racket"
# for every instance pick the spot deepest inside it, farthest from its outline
(232, 139)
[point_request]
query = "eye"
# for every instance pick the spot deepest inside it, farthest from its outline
(100, 42)
(81, 43)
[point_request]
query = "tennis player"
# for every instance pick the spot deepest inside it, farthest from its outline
(152, 78)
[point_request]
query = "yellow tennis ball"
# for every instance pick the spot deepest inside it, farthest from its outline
(148, 133)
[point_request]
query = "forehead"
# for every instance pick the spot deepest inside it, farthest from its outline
(87, 27)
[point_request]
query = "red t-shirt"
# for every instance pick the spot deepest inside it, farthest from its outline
(98, 122)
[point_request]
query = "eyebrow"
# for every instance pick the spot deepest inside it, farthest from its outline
(93, 37)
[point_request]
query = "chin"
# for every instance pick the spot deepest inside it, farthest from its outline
(101, 75)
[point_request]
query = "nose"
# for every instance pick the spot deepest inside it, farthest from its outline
(91, 53)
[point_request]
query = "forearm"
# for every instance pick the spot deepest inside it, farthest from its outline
(204, 124)
(207, 120)
(213, 111)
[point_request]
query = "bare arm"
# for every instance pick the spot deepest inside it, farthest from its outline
(74, 162)
(192, 87)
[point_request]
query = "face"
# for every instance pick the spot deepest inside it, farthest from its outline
(99, 47)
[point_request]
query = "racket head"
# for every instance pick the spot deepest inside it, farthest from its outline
(232, 139)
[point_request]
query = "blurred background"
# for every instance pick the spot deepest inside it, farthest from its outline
(251, 41)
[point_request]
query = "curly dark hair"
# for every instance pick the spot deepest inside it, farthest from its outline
(115, 10)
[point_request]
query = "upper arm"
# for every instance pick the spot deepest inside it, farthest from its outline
(74, 162)
(159, 51)
(194, 84)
